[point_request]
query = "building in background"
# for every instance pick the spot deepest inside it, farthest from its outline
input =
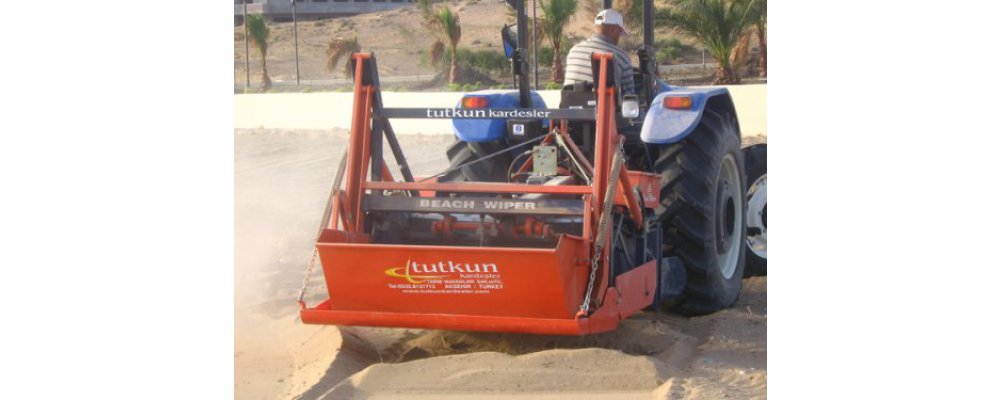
(281, 10)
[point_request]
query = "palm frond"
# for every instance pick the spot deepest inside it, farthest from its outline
(444, 23)
(341, 48)
(741, 50)
(717, 24)
(437, 53)
(557, 13)
(258, 31)
(449, 25)
(758, 11)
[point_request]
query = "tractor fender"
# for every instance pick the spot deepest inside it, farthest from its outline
(487, 130)
(665, 126)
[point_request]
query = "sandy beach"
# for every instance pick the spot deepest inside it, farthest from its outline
(282, 178)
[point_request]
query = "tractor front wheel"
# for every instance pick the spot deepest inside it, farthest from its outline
(703, 212)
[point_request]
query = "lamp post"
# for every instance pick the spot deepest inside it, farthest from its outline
(246, 42)
(295, 30)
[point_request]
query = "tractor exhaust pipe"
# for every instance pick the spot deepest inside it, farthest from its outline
(520, 59)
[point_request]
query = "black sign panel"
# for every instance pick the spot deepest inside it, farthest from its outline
(488, 113)
(472, 205)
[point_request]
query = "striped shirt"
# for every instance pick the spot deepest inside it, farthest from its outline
(578, 67)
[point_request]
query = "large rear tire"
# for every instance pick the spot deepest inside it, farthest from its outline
(702, 211)
(755, 160)
(491, 170)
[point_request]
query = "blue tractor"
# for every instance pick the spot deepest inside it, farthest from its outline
(688, 136)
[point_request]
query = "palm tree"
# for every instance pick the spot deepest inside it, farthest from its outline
(759, 13)
(445, 24)
(738, 58)
(437, 52)
(717, 24)
(258, 32)
(341, 48)
(758, 27)
(557, 15)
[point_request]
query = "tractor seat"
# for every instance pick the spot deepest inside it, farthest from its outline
(581, 95)
(578, 95)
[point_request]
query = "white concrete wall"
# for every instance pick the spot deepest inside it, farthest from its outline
(333, 110)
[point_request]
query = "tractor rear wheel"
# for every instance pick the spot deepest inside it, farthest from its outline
(702, 211)
(491, 170)
(755, 160)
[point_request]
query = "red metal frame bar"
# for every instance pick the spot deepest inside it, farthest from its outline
(606, 139)
(604, 148)
(338, 215)
(360, 132)
(625, 186)
(633, 290)
(577, 153)
(480, 187)
(386, 174)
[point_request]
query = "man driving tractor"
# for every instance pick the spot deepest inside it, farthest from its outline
(609, 26)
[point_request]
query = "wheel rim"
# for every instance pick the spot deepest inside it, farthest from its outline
(757, 217)
(729, 213)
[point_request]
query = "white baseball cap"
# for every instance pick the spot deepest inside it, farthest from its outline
(611, 17)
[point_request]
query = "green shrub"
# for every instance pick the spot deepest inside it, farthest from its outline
(668, 49)
(484, 61)
(545, 56)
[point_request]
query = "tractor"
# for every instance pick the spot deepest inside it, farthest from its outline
(558, 221)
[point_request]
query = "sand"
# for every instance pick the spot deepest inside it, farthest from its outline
(282, 178)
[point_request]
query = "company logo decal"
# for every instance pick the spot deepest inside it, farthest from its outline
(445, 277)
(406, 273)
(465, 113)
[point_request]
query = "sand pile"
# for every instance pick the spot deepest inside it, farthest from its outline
(650, 356)
(644, 335)
(565, 371)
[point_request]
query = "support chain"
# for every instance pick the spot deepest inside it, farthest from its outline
(602, 225)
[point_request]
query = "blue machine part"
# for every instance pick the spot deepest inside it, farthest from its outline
(485, 130)
(664, 126)
(673, 278)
